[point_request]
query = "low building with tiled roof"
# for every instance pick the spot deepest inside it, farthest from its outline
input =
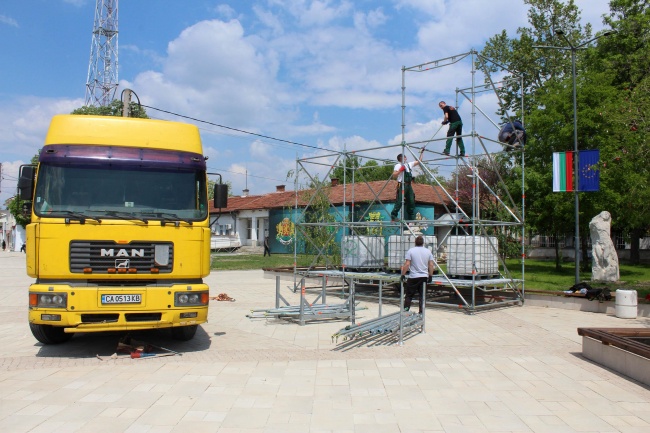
(254, 216)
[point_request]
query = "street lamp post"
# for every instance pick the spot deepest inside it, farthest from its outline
(576, 166)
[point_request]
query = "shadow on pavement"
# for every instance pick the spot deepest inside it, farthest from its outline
(104, 344)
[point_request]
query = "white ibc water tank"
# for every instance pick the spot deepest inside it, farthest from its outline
(626, 304)
(460, 250)
(398, 245)
(363, 252)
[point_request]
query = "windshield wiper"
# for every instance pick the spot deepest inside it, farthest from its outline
(122, 215)
(77, 216)
(168, 217)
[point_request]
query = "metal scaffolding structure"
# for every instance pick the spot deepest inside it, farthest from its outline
(475, 276)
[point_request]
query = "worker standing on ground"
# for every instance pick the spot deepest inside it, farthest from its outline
(419, 261)
(455, 127)
(403, 172)
(267, 249)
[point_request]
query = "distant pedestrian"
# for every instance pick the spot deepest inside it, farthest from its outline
(4, 245)
(420, 262)
(267, 248)
(23, 249)
(455, 127)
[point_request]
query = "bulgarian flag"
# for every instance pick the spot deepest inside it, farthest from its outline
(563, 171)
(588, 171)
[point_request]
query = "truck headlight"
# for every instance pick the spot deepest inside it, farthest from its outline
(48, 300)
(190, 299)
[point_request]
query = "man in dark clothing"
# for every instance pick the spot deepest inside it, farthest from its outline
(455, 127)
(420, 262)
(267, 249)
(513, 133)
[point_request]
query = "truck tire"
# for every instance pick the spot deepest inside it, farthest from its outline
(47, 334)
(184, 333)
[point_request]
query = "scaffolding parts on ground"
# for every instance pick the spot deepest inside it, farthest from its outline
(305, 310)
(382, 325)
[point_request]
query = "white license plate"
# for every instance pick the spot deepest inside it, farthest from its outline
(121, 299)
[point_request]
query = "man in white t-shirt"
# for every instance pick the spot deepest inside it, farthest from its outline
(420, 262)
(403, 172)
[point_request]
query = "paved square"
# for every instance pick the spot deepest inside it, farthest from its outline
(515, 369)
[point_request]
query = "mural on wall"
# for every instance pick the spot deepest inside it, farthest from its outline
(374, 217)
(286, 231)
(420, 225)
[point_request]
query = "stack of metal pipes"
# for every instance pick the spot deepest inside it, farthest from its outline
(308, 310)
(379, 326)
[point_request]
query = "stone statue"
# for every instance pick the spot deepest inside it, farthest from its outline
(604, 258)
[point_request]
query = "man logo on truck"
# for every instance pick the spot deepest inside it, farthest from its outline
(122, 252)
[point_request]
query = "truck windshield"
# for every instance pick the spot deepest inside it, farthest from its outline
(120, 192)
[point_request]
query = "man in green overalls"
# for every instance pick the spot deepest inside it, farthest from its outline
(403, 172)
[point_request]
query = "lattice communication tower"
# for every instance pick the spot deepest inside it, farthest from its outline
(102, 69)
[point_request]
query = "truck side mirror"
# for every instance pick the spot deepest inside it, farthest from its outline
(220, 195)
(26, 181)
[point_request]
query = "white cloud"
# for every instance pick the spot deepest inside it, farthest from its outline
(214, 71)
(225, 11)
(429, 7)
(270, 20)
(8, 21)
(315, 13)
(364, 21)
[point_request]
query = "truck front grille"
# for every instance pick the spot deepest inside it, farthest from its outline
(100, 256)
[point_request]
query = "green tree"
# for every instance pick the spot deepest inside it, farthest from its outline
(212, 183)
(16, 207)
(113, 109)
(548, 98)
(626, 135)
(350, 168)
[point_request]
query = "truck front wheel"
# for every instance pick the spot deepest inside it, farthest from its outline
(47, 334)
(184, 333)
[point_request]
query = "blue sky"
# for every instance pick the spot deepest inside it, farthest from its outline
(323, 73)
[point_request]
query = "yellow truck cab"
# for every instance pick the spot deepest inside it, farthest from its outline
(119, 237)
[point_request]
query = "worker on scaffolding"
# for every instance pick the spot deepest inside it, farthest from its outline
(455, 127)
(403, 172)
(419, 263)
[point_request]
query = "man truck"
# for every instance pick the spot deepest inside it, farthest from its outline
(119, 238)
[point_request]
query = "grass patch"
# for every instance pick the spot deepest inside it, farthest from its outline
(539, 274)
(241, 262)
(542, 275)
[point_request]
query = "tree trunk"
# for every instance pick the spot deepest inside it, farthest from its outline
(558, 263)
(586, 263)
(635, 254)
